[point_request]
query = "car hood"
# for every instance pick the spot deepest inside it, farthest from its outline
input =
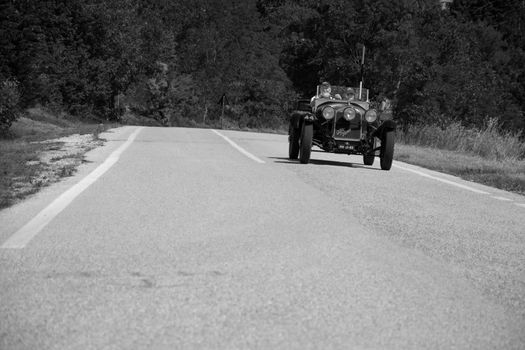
(340, 105)
(362, 104)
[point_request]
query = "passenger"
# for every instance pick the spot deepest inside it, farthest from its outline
(349, 94)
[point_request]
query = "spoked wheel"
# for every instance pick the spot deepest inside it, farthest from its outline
(387, 150)
(293, 142)
(306, 143)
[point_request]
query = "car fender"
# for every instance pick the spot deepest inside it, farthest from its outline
(386, 126)
(299, 117)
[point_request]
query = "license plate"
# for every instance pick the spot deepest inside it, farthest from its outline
(346, 147)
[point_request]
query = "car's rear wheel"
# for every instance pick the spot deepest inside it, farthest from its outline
(368, 159)
(293, 142)
(306, 143)
(387, 150)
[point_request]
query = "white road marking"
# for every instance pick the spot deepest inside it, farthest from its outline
(502, 198)
(239, 148)
(520, 205)
(24, 235)
(465, 187)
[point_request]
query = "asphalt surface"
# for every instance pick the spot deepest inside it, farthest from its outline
(186, 242)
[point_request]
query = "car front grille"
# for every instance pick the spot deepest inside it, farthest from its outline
(347, 130)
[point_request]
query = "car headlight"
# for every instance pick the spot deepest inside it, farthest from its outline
(349, 113)
(371, 115)
(328, 113)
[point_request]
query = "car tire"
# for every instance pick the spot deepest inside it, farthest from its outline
(293, 142)
(368, 159)
(387, 150)
(306, 143)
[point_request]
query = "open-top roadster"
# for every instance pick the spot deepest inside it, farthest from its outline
(340, 123)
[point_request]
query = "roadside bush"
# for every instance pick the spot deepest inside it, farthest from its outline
(9, 99)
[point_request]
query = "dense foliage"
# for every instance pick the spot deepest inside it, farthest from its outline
(9, 99)
(172, 60)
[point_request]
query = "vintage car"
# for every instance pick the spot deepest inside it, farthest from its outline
(341, 125)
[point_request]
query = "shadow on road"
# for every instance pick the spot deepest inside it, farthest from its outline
(284, 160)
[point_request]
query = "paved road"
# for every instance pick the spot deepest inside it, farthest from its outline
(193, 239)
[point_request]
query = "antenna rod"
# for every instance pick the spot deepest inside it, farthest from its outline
(362, 72)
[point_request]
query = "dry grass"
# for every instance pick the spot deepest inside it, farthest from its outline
(488, 156)
(489, 142)
(28, 161)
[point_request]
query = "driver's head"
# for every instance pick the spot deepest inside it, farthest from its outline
(349, 94)
(326, 89)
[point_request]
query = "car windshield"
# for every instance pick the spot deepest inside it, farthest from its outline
(341, 92)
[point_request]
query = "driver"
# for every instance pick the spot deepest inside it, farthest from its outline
(325, 90)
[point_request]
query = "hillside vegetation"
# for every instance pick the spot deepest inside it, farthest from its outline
(173, 60)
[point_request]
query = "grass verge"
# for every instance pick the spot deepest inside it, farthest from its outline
(489, 142)
(506, 174)
(487, 155)
(39, 149)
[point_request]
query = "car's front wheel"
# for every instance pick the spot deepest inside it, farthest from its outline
(387, 150)
(306, 143)
(293, 142)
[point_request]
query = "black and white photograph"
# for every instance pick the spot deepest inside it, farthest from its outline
(262, 174)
